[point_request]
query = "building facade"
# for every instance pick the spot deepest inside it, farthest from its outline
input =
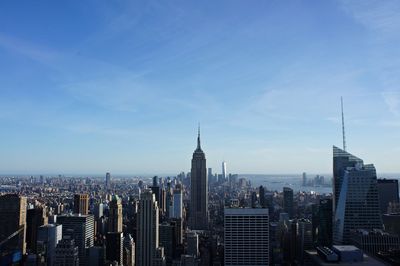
(246, 234)
(13, 220)
(115, 216)
(147, 230)
(81, 229)
(81, 204)
(356, 200)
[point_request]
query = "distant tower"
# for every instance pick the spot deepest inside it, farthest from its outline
(355, 196)
(288, 201)
(147, 230)
(108, 180)
(115, 217)
(198, 219)
(81, 204)
(13, 219)
(263, 200)
(224, 175)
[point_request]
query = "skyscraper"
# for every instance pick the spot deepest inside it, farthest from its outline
(224, 174)
(355, 201)
(147, 230)
(67, 253)
(177, 202)
(108, 180)
(34, 218)
(325, 213)
(115, 217)
(263, 200)
(246, 234)
(13, 219)
(81, 229)
(288, 201)
(114, 247)
(48, 237)
(198, 219)
(388, 190)
(81, 204)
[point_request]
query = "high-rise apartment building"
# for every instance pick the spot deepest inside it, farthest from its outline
(246, 235)
(388, 190)
(81, 204)
(147, 230)
(13, 220)
(288, 201)
(356, 200)
(115, 216)
(198, 219)
(81, 229)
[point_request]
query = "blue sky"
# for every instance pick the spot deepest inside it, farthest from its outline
(96, 86)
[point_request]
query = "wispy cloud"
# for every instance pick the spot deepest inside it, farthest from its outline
(380, 16)
(392, 100)
(33, 51)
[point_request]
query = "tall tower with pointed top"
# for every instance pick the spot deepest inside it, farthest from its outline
(198, 219)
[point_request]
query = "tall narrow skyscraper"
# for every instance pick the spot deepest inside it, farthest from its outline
(224, 174)
(108, 180)
(199, 190)
(148, 231)
(355, 201)
(115, 218)
(288, 201)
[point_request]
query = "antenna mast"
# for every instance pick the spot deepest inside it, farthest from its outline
(343, 131)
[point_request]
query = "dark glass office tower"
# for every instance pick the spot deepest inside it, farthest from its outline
(325, 222)
(288, 201)
(388, 190)
(198, 219)
(356, 201)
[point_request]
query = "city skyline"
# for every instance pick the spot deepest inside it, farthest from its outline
(122, 86)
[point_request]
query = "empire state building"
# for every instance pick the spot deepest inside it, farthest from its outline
(198, 219)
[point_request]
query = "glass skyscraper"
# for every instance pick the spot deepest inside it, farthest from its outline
(355, 199)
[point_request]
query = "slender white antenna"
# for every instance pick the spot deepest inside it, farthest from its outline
(343, 131)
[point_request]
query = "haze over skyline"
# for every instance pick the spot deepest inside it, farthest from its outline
(96, 86)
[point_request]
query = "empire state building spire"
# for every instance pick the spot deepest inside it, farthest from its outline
(198, 149)
(198, 138)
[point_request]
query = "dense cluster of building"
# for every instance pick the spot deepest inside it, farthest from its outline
(200, 218)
